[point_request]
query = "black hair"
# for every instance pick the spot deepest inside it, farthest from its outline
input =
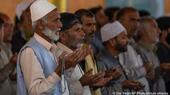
(83, 12)
(68, 20)
(96, 9)
(163, 22)
(1, 22)
(110, 11)
(143, 13)
(125, 10)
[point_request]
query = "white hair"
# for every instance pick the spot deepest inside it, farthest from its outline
(34, 24)
(143, 25)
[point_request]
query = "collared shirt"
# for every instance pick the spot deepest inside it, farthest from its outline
(35, 80)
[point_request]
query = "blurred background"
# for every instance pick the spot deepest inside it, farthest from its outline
(155, 7)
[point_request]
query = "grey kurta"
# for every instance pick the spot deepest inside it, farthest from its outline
(133, 65)
(5, 88)
(147, 52)
(105, 61)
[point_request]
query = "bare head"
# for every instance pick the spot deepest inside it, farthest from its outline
(148, 30)
(129, 18)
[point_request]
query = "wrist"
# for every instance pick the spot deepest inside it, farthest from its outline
(58, 71)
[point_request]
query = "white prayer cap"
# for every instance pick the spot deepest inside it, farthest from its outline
(40, 8)
(22, 6)
(111, 30)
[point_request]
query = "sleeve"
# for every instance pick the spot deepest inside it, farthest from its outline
(72, 76)
(5, 72)
(136, 69)
(36, 82)
(135, 72)
(6, 67)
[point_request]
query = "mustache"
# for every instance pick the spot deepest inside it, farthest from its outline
(88, 38)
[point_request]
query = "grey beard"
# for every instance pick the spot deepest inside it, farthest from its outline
(51, 34)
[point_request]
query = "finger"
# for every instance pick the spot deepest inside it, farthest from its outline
(90, 50)
(98, 76)
(78, 55)
(74, 54)
(89, 72)
(84, 54)
(62, 55)
(114, 69)
(115, 73)
(108, 78)
(101, 82)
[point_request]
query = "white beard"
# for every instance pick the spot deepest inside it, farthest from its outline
(51, 34)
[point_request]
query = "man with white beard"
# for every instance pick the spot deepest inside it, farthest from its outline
(38, 71)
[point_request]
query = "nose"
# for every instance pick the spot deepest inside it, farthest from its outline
(60, 25)
(82, 34)
(127, 40)
(94, 28)
(159, 31)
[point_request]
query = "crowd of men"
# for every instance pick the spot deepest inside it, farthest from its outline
(92, 51)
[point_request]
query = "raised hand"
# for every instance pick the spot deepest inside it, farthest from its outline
(115, 73)
(132, 84)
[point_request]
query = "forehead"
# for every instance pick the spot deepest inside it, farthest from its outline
(76, 26)
(153, 23)
(101, 11)
(53, 14)
(6, 19)
(88, 19)
(131, 14)
(123, 33)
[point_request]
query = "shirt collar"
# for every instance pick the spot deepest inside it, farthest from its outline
(42, 41)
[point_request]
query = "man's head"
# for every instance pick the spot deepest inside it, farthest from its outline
(144, 13)
(100, 17)
(148, 30)
(114, 36)
(87, 20)
(46, 20)
(23, 16)
(71, 34)
(1, 29)
(7, 28)
(111, 13)
(25, 24)
(129, 18)
(164, 25)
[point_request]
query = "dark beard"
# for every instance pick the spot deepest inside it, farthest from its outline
(88, 38)
(121, 48)
(168, 38)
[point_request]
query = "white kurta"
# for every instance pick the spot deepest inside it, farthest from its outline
(73, 74)
(133, 65)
